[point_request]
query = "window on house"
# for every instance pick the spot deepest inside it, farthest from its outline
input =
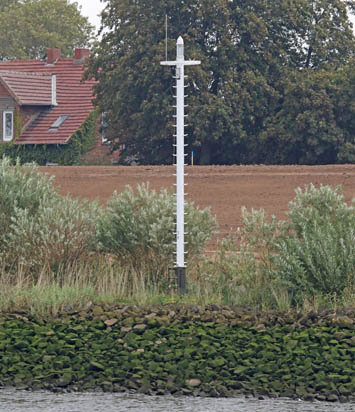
(61, 119)
(8, 126)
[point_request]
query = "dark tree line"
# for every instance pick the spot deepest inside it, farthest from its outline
(276, 84)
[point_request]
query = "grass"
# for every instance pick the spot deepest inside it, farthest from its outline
(72, 288)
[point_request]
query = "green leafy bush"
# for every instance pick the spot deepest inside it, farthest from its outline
(20, 188)
(317, 255)
(40, 228)
(139, 230)
(59, 234)
(313, 253)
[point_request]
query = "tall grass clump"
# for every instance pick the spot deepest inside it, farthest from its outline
(237, 273)
(38, 227)
(308, 259)
(138, 229)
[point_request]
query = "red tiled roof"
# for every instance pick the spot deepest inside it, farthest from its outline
(28, 88)
(74, 98)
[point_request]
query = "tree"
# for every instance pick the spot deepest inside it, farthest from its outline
(246, 49)
(310, 33)
(29, 27)
(344, 110)
(6, 3)
(316, 121)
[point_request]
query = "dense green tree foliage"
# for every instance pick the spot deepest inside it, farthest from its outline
(6, 3)
(29, 27)
(315, 123)
(258, 58)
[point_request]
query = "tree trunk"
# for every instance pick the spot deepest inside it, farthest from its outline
(309, 55)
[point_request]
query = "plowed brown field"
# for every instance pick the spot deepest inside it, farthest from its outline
(224, 188)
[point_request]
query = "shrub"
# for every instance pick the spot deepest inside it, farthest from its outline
(139, 230)
(317, 254)
(313, 253)
(237, 273)
(40, 228)
(59, 234)
(21, 188)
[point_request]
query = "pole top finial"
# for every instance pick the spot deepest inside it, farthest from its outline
(180, 49)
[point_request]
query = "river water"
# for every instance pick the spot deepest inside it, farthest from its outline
(12, 400)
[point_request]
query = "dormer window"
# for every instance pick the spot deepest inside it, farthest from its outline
(8, 125)
(61, 119)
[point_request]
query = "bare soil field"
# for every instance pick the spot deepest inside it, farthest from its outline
(223, 188)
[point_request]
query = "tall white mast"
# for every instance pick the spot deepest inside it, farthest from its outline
(180, 63)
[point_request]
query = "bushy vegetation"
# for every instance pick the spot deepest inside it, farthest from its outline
(316, 255)
(41, 229)
(56, 250)
(307, 259)
(138, 228)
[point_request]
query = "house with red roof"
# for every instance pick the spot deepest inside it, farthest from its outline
(45, 102)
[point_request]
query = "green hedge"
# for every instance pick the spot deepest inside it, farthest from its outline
(184, 350)
(80, 142)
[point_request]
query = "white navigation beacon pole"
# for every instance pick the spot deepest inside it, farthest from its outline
(180, 63)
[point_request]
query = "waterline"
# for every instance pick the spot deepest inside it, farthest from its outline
(12, 400)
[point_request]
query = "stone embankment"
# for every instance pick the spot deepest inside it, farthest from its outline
(182, 349)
